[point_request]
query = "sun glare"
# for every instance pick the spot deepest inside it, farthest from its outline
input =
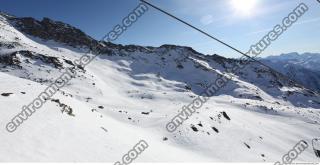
(244, 7)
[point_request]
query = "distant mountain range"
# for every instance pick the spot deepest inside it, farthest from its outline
(304, 68)
(309, 61)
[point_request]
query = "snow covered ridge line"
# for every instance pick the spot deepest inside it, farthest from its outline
(219, 83)
(133, 153)
(60, 82)
(114, 33)
(293, 153)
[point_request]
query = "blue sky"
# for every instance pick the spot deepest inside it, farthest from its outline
(238, 26)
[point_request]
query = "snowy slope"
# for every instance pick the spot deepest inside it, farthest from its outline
(129, 93)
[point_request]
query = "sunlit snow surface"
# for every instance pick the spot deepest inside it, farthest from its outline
(130, 83)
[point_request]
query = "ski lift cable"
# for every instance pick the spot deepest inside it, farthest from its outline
(224, 43)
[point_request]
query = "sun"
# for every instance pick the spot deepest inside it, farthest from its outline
(244, 7)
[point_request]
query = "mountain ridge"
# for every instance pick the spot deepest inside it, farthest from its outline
(303, 68)
(129, 93)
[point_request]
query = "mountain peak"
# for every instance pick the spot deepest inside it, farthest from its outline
(6, 15)
(48, 29)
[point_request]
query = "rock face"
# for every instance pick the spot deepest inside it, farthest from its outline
(48, 29)
(10, 60)
(13, 59)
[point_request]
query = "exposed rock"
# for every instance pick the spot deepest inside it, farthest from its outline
(247, 145)
(225, 115)
(215, 129)
(48, 29)
(6, 94)
(145, 113)
(194, 128)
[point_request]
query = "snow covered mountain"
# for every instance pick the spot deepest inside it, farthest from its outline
(306, 60)
(129, 93)
(303, 68)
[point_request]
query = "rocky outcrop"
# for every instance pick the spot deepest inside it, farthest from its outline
(14, 59)
(48, 29)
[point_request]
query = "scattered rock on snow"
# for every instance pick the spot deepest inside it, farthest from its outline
(145, 113)
(194, 128)
(6, 94)
(225, 115)
(215, 129)
(247, 145)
